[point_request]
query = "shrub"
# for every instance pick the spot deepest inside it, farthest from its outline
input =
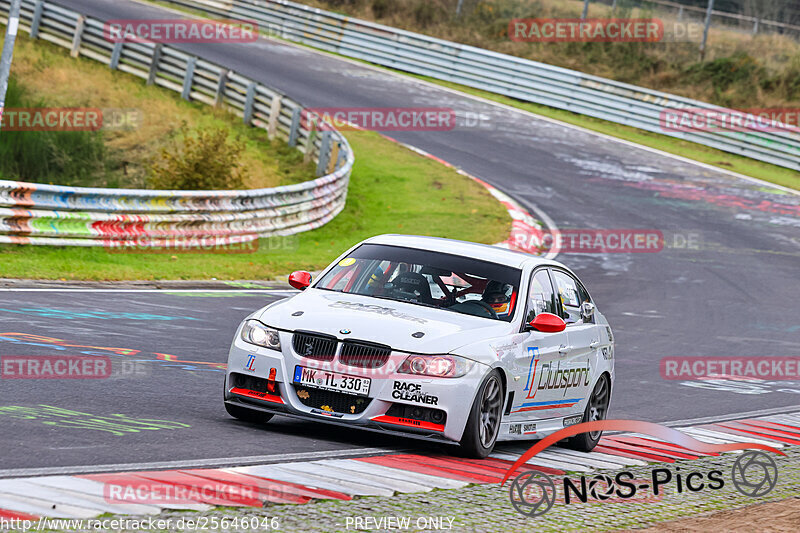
(206, 160)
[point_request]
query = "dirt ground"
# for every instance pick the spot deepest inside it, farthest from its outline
(774, 517)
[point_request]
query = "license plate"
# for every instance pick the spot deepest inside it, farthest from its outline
(333, 381)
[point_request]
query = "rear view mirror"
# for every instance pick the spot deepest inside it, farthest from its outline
(300, 280)
(587, 310)
(548, 323)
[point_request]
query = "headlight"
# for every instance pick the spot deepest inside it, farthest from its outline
(257, 333)
(438, 366)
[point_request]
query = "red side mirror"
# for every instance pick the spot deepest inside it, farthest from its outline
(300, 280)
(548, 323)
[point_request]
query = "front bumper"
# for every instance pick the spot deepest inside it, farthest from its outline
(432, 408)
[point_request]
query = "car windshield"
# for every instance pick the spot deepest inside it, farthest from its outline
(449, 282)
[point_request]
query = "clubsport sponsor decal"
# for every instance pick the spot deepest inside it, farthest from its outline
(250, 365)
(412, 392)
(553, 377)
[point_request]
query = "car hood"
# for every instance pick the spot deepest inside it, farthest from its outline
(397, 324)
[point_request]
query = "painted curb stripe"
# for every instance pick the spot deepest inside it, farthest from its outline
(316, 493)
(725, 433)
(788, 430)
(14, 515)
(638, 457)
(645, 453)
(434, 482)
(655, 446)
(760, 432)
(272, 491)
(394, 462)
(127, 480)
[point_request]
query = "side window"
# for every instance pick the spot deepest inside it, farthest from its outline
(541, 298)
(571, 294)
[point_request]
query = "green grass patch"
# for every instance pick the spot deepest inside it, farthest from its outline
(392, 190)
(44, 75)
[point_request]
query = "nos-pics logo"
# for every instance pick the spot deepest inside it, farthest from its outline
(533, 493)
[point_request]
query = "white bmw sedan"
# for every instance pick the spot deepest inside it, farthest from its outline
(433, 338)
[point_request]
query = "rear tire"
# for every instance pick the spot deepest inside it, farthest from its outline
(596, 409)
(483, 424)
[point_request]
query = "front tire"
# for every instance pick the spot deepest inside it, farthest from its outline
(483, 424)
(596, 409)
(248, 415)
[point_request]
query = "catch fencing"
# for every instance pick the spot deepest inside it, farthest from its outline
(508, 75)
(33, 213)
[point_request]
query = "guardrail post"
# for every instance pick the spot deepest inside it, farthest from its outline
(188, 78)
(334, 158)
(78, 37)
(680, 13)
(324, 153)
(309, 146)
(116, 54)
(274, 115)
(219, 97)
(341, 159)
(248, 103)
(151, 77)
(37, 19)
(755, 26)
(294, 129)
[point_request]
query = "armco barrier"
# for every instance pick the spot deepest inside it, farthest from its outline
(76, 216)
(499, 73)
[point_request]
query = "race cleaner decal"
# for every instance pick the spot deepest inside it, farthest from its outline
(412, 392)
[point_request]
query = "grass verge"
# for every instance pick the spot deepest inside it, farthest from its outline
(703, 154)
(392, 190)
(159, 117)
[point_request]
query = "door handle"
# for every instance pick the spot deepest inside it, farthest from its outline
(564, 349)
(594, 344)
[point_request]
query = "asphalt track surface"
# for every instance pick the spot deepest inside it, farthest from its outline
(735, 293)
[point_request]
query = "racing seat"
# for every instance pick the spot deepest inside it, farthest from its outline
(413, 284)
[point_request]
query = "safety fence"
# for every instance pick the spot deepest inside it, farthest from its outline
(32, 213)
(507, 75)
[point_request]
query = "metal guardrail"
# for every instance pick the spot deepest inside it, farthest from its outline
(33, 213)
(518, 78)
